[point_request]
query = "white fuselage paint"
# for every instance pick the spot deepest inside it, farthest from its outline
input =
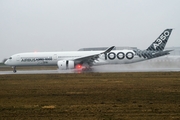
(51, 58)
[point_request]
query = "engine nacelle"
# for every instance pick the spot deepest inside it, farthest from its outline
(65, 64)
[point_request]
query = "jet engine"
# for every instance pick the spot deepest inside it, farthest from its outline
(65, 64)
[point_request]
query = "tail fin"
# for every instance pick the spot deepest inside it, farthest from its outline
(160, 43)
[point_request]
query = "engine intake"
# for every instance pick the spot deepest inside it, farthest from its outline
(65, 64)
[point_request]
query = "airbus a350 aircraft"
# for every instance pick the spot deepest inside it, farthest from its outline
(86, 59)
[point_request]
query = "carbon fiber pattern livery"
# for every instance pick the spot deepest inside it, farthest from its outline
(157, 47)
(150, 54)
(160, 43)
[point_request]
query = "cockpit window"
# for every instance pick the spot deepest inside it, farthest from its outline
(10, 58)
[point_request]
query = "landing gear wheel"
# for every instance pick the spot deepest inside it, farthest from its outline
(14, 69)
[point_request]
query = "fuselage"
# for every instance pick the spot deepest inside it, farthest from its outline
(51, 58)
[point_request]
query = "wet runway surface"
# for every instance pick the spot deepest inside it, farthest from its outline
(94, 69)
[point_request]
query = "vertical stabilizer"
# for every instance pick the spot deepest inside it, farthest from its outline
(160, 43)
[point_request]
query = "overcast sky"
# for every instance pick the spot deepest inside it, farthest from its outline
(61, 25)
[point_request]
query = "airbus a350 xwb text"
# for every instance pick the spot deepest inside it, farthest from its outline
(86, 59)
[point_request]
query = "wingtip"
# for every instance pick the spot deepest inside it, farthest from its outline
(112, 47)
(170, 28)
(109, 49)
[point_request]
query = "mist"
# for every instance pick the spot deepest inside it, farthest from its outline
(166, 63)
(66, 25)
(169, 63)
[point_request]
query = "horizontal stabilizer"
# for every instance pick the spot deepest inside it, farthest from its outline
(162, 53)
(151, 54)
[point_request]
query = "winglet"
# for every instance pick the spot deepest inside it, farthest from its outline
(108, 50)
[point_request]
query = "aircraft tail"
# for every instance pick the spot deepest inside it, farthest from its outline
(160, 43)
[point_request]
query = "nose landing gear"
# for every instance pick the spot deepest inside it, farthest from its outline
(14, 69)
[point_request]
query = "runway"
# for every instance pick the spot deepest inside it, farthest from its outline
(103, 69)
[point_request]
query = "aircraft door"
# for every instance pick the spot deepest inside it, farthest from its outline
(55, 57)
(18, 58)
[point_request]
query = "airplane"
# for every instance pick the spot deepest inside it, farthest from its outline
(86, 59)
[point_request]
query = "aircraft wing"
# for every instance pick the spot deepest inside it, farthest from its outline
(91, 58)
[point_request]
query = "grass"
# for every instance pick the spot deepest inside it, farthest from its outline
(1, 64)
(97, 96)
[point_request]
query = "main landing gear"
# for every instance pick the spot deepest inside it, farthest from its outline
(14, 69)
